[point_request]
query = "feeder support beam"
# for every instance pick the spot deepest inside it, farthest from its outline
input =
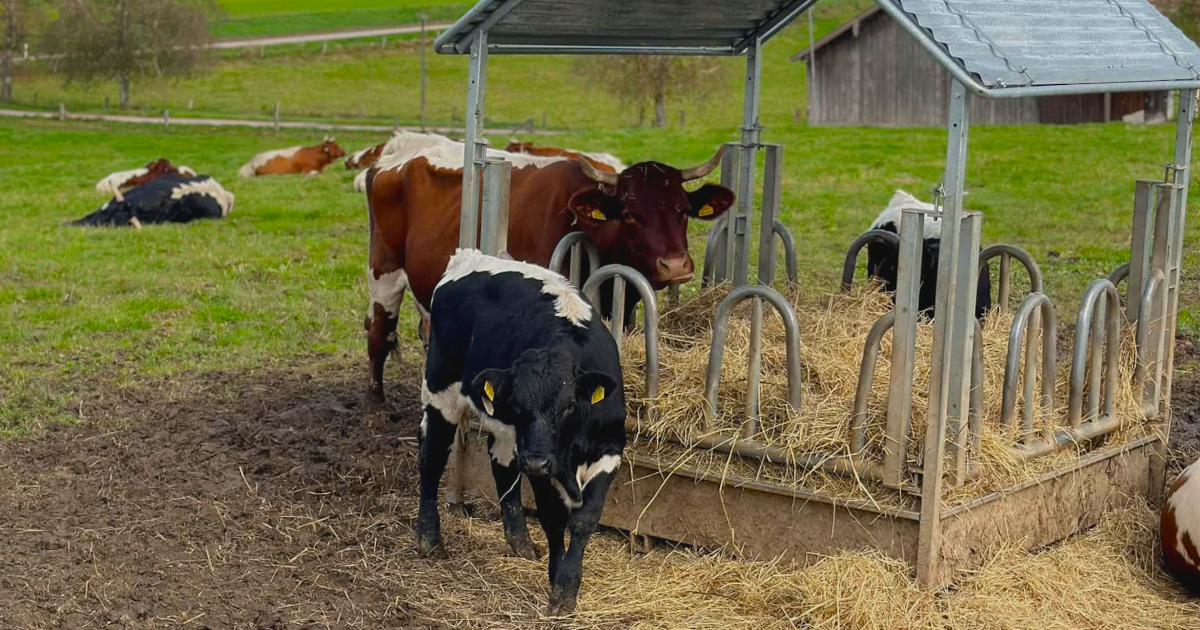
(953, 332)
(474, 146)
(738, 265)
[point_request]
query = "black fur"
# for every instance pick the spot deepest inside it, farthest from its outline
(152, 203)
(544, 370)
(883, 262)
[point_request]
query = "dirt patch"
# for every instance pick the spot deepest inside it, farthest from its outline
(1185, 403)
(244, 505)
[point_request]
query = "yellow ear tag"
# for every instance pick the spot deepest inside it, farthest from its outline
(599, 216)
(705, 211)
(489, 390)
(598, 395)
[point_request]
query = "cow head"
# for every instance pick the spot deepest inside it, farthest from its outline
(545, 396)
(650, 207)
(329, 147)
(161, 165)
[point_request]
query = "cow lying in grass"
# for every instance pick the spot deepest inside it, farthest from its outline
(167, 199)
(883, 260)
(117, 183)
(1181, 528)
(522, 348)
(293, 160)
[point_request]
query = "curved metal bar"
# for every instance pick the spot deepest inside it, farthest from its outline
(789, 249)
(870, 236)
(713, 268)
(1119, 275)
(1006, 252)
(571, 244)
(1035, 315)
(1108, 339)
(791, 328)
(976, 402)
(623, 274)
(866, 381)
(1152, 292)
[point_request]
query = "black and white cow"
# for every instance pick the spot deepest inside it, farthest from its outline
(522, 348)
(169, 199)
(883, 260)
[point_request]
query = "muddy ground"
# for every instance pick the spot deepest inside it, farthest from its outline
(243, 501)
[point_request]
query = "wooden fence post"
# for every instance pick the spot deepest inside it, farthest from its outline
(275, 115)
(62, 111)
(166, 119)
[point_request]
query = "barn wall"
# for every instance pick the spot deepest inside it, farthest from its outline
(882, 76)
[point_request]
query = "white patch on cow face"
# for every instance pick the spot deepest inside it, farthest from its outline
(207, 186)
(387, 291)
(443, 153)
(249, 168)
(587, 472)
(114, 182)
(568, 303)
(360, 181)
(566, 498)
(1186, 503)
(504, 449)
(449, 402)
(900, 202)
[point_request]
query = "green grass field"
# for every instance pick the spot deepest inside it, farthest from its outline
(256, 18)
(282, 280)
(365, 83)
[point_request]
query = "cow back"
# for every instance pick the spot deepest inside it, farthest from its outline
(1180, 528)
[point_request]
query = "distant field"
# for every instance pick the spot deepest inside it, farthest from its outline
(250, 18)
(366, 83)
(283, 277)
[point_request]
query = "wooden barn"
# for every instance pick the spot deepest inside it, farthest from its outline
(869, 71)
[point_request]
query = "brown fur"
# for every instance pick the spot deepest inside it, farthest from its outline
(367, 159)
(156, 169)
(1186, 567)
(527, 148)
(312, 159)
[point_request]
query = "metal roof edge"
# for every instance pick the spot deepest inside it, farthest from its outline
(447, 42)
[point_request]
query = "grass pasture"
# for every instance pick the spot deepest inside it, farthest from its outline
(263, 18)
(282, 278)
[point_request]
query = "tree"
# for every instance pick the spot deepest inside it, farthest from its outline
(121, 39)
(642, 79)
(16, 17)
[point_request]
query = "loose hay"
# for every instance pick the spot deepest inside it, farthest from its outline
(833, 331)
(1106, 578)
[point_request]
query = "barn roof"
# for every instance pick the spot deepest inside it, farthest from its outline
(995, 47)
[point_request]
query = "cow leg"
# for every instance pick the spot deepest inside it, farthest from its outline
(387, 291)
(436, 439)
(582, 522)
(508, 488)
(552, 515)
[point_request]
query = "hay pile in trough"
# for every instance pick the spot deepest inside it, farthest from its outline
(833, 331)
(1108, 577)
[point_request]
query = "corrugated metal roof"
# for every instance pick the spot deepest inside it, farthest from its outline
(711, 27)
(996, 47)
(1008, 43)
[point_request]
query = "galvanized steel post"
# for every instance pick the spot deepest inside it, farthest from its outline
(738, 266)
(1140, 246)
(951, 352)
(904, 343)
(620, 274)
(497, 176)
(963, 340)
(474, 147)
(771, 198)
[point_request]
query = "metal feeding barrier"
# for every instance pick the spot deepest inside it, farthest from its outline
(620, 275)
(1006, 253)
(577, 245)
(688, 505)
(1034, 318)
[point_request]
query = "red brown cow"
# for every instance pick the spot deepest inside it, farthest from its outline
(1181, 528)
(603, 161)
(365, 157)
(637, 218)
(306, 160)
(117, 183)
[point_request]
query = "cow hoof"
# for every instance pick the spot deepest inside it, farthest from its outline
(375, 400)
(560, 607)
(525, 548)
(433, 549)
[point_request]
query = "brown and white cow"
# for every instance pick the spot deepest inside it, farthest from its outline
(364, 158)
(117, 183)
(1181, 528)
(638, 218)
(298, 159)
(603, 161)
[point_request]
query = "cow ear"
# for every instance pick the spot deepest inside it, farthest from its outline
(592, 205)
(490, 390)
(709, 201)
(594, 386)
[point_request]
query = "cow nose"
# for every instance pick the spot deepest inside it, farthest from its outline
(537, 465)
(675, 269)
